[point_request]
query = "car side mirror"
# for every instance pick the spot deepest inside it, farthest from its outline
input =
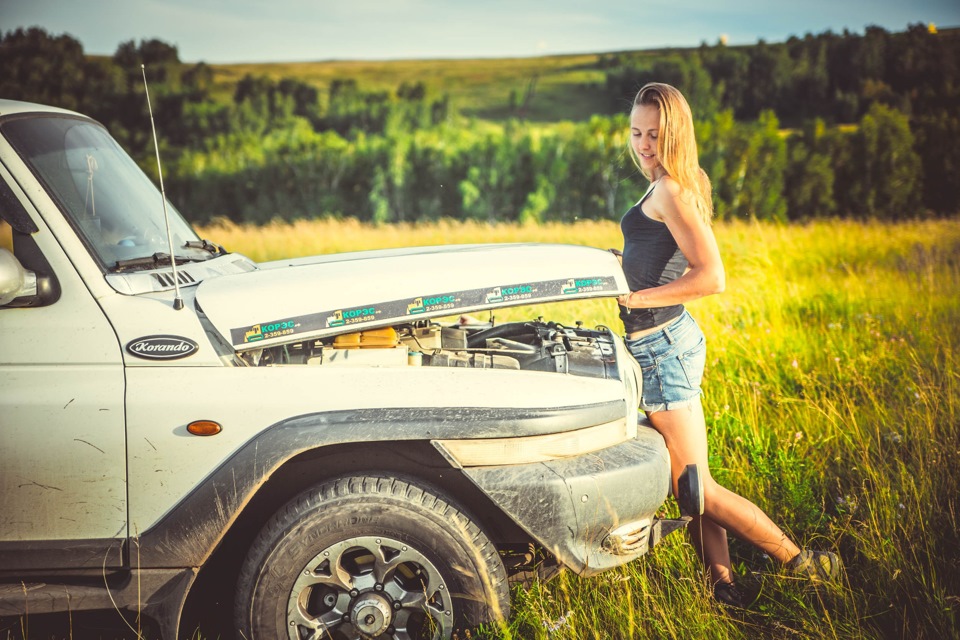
(20, 287)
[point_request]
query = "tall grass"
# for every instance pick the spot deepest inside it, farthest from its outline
(833, 400)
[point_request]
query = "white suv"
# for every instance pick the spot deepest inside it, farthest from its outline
(309, 436)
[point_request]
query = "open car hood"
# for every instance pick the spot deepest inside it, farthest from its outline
(310, 298)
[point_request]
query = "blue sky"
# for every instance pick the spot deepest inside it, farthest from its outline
(221, 31)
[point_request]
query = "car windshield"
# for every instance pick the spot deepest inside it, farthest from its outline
(111, 203)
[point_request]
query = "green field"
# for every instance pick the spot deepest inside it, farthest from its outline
(563, 85)
(833, 401)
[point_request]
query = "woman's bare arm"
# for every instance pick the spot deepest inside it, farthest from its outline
(695, 239)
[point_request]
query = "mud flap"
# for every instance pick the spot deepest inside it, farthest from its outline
(690, 491)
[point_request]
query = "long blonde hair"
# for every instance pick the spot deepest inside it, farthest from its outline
(677, 144)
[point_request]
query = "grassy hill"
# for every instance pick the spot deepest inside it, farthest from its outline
(558, 87)
(555, 87)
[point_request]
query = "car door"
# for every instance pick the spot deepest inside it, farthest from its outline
(63, 497)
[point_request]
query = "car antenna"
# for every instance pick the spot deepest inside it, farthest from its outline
(177, 300)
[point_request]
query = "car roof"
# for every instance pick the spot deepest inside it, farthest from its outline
(14, 107)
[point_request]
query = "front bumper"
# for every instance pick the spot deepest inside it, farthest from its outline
(572, 506)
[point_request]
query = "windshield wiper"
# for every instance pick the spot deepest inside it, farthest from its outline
(149, 262)
(206, 245)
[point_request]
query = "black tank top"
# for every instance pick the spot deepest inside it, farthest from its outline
(651, 258)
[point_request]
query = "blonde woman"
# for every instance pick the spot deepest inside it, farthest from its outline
(670, 257)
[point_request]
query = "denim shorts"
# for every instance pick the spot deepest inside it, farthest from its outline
(672, 362)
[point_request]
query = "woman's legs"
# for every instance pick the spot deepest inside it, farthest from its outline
(685, 433)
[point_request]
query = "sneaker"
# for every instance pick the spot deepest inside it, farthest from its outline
(819, 566)
(727, 594)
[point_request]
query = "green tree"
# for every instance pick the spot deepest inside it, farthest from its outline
(886, 181)
(489, 187)
(806, 95)
(809, 177)
(714, 142)
(728, 70)
(42, 68)
(761, 195)
(685, 72)
(938, 145)
(746, 164)
(305, 97)
(768, 76)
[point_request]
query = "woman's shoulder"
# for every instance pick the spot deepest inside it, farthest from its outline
(669, 186)
(664, 198)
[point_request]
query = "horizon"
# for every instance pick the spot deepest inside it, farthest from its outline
(226, 32)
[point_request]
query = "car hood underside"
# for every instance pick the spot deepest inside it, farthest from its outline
(322, 296)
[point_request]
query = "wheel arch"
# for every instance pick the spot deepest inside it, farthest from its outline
(414, 461)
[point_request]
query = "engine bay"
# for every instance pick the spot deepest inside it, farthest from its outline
(532, 345)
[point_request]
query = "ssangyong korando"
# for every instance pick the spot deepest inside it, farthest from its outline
(319, 440)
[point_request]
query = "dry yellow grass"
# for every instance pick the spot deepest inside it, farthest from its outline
(310, 237)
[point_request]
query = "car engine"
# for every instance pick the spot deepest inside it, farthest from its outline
(531, 346)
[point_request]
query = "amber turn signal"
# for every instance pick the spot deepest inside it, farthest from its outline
(204, 428)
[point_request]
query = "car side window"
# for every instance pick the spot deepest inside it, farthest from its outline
(6, 236)
(12, 216)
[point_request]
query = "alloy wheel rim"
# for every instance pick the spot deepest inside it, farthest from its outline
(370, 587)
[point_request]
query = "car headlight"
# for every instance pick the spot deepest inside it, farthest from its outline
(485, 452)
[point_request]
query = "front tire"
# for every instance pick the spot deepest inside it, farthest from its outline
(369, 557)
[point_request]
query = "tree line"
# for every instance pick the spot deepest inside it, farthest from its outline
(827, 125)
